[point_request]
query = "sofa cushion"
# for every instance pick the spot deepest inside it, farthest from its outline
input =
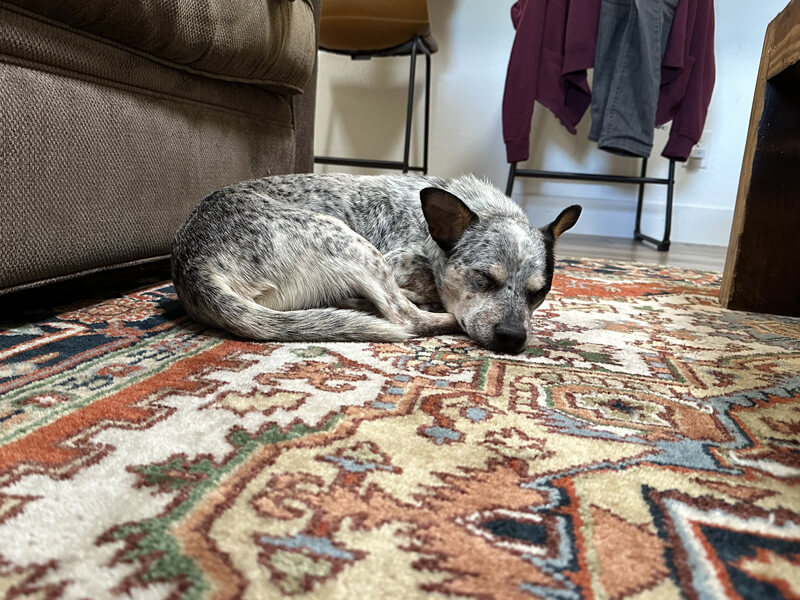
(265, 42)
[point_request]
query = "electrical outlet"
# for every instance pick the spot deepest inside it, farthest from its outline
(699, 154)
(699, 151)
(697, 159)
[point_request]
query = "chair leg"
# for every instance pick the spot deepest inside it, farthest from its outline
(668, 217)
(664, 243)
(512, 172)
(410, 108)
(640, 202)
(427, 112)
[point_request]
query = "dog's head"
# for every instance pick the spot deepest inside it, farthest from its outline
(497, 268)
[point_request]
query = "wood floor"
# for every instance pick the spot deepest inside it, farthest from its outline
(687, 256)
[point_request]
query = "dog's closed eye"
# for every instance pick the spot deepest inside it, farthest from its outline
(484, 281)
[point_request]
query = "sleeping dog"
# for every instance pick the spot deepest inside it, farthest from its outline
(296, 258)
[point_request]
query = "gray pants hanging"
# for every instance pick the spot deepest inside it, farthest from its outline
(631, 39)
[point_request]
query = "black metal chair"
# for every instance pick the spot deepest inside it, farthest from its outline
(366, 29)
(661, 245)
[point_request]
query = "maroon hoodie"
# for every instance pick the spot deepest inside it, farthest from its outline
(554, 46)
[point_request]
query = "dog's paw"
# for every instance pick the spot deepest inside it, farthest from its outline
(434, 323)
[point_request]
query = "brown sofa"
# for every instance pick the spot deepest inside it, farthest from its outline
(118, 116)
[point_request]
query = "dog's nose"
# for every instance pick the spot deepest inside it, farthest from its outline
(510, 338)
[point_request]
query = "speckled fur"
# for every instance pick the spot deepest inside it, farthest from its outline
(274, 258)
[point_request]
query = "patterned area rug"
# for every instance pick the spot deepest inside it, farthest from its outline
(647, 444)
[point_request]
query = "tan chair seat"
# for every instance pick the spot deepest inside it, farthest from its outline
(371, 25)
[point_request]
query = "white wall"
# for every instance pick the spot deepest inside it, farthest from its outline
(361, 112)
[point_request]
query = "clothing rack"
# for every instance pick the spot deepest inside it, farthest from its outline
(662, 245)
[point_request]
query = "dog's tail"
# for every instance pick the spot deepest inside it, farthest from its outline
(316, 325)
(248, 319)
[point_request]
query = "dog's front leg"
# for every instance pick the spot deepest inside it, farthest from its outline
(380, 288)
(413, 274)
(429, 319)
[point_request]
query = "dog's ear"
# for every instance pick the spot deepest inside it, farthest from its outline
(565, 220)
(447, 216)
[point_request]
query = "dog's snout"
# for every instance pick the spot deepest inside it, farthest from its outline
(509, 338)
